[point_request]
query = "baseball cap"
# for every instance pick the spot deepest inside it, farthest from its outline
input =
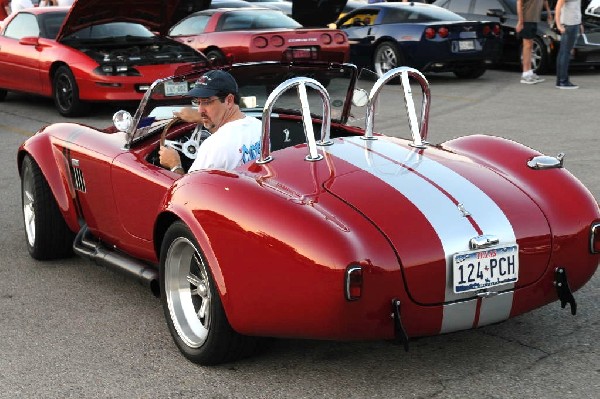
(212, 83)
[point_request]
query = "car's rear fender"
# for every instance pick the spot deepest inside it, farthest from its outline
(53, 165)
(266, 250)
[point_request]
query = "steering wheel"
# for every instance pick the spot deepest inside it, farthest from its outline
(188, 147)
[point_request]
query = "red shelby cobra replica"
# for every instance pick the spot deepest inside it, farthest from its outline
(334, 232)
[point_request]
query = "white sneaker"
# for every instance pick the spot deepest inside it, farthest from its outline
(529, 80)
(538, 79)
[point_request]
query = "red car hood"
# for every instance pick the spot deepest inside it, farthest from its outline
(157, 15)
(420, 203)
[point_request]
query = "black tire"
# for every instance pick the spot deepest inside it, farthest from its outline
(3, 94)
(192, 305)
(473, 72)
(65, 93)
(47, 233)
(540, 61)
(216, 57)
(386, 57)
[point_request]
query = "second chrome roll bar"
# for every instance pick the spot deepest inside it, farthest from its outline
(419, 135)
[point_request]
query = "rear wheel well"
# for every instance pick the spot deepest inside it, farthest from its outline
(215, 55)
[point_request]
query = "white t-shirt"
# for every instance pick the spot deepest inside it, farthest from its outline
(234, 144)
(18, 5)
(571, 12)
(64, 3)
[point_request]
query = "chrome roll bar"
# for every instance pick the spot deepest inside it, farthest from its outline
(418, 135)
(300, 83)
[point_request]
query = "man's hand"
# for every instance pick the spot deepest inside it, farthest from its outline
(189, 114)
(169, 158)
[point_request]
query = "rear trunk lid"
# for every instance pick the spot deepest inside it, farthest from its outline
(430, 205)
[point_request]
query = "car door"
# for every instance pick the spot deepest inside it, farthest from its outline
(19, 55)
(191, 31)
(139, 189)
(360, 26)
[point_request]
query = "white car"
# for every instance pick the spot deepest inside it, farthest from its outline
(593, 8)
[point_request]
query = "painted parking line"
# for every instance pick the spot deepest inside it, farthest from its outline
(13, 129)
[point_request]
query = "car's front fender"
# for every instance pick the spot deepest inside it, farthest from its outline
(55, 168)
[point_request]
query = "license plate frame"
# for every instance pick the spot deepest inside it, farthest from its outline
(466, 45)
(173, 89)
(478, 269)
(303, 53)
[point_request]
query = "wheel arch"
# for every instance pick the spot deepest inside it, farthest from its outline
(175, 212)
(54, 169)
(216, 49)
(212, 47)
(383, 39)
(393, 41)
(54, 67)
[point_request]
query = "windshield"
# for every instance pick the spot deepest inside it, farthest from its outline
(256, 81)
(111, 30)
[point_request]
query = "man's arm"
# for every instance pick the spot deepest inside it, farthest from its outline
(189, 114)
(519, 26)
(548, 12)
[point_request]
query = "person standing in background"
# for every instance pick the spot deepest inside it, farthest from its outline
(568, 22)
(18, 5)
(528, 13)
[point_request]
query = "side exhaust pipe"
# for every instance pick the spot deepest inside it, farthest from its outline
(85, 245)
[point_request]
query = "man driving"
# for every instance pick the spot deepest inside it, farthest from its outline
(235, 137)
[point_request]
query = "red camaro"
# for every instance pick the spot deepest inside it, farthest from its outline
(333, 232)
(258, 34)
(94, 51)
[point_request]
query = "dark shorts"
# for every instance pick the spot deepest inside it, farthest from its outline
(529, 30)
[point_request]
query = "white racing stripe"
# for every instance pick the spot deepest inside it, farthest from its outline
(423, 182)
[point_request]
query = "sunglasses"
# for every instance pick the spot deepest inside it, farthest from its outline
(196, 102)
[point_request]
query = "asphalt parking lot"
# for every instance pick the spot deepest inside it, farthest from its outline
(71, 329)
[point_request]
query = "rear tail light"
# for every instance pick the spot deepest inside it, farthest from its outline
(496, 30)
(277, 41)
(442, 32)
(493, 29)
(430, 33)
(595, 238)
(326, 39)
(260, 42)
(353, 282)
(339, 38)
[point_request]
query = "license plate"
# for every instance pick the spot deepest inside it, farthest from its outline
(176, 89)
(302, 53)
(484, 268)
(466, 45)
